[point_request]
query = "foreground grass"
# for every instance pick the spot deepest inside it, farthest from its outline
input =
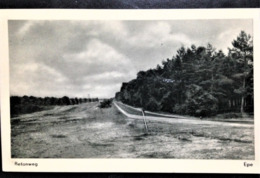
(86, 131)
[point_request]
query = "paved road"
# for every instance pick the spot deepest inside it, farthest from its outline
(173, 119)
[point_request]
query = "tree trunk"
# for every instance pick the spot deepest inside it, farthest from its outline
(212, 79)
(243, 97)
(244, 83)
(242, 105)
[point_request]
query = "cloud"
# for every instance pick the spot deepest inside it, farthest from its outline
(77, 58)
(36, 79)
(96, 60)
(62, 60)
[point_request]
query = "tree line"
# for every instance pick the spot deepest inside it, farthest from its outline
(199, 81)
(29, 104)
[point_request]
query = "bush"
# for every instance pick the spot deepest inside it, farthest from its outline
(167, 102)
(107, 103)
(25, 109)
(152, 105)
(200, 102)
(229, 115)
(179, 109)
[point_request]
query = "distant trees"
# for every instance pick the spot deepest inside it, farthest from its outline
(25, 104)
(198, 81)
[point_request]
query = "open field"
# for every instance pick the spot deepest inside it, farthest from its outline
(85, 131)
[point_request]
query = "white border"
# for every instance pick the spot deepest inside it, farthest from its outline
(124, 165)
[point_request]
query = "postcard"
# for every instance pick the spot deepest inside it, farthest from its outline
(130, 90)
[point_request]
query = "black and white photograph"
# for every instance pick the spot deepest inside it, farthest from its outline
(141, 89)
(137, 91)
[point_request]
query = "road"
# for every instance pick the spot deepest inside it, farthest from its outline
(175, 119)
(86, 131)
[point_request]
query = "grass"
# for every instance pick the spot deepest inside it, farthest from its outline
(106, 133)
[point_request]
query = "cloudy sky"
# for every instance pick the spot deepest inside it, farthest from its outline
(77, 58)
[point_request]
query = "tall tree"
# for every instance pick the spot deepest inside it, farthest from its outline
(242, 52)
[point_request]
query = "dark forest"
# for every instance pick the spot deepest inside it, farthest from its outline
(199, 81)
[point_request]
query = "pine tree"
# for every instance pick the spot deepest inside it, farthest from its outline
(242, 52)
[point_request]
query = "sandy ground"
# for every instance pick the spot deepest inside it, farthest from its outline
(85, 131)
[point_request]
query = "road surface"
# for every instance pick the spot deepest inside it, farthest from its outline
(86, 131)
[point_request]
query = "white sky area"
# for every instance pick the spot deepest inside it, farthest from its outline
(77, 58)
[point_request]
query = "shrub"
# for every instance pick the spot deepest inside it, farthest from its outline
(230, 115)
(179, 109)
(202, 105)
(106, 103)
(168, 102)
(152, 105)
